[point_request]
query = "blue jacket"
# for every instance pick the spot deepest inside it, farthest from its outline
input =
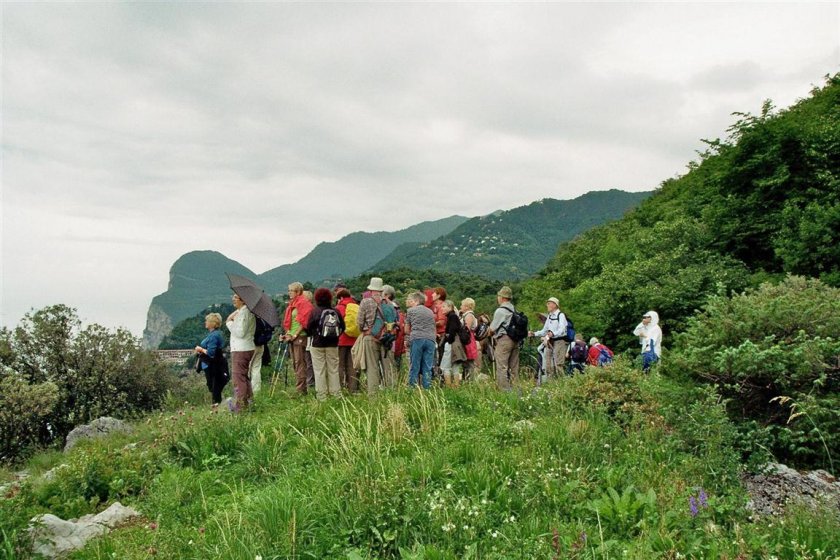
(213, 342)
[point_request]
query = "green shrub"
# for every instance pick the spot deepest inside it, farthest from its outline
(23, 409)
(95, 372)
(776, 341)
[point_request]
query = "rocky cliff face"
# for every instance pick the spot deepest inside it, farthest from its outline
(196, 280)
(158, 325)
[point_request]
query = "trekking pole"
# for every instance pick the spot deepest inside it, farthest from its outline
(281, 359)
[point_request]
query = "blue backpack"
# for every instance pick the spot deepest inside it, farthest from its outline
(570, 331)
(605, 357)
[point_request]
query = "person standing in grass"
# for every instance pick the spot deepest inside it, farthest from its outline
(420, 339)
(375, 316)
(211, 356)
(325, 327)
(389, 294)
(347, 374)
(506, 350)
(454, 355)
(471, 350)
(650, 339)
(297, 315)
(242, 325)
(553, 332)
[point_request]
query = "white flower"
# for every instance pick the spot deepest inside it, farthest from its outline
(512, 519)
(449, 487)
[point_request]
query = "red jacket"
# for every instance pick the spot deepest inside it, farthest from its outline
(304, 308)
(440, 318)
(345, 339)
(594, 352)
(399, 342)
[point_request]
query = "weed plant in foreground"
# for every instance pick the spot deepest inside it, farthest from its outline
(608, 464)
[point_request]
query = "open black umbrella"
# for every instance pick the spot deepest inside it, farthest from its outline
(255, 298)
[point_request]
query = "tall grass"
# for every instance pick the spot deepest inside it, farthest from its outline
(597, 466)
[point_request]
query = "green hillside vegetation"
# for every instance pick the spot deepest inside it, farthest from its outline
(191, 330)
(353, 254)
(762, 203)
(513, 244)
(759, 205)
(602, 465)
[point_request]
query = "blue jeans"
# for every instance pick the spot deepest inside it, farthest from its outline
(648, 359)
(422, 355)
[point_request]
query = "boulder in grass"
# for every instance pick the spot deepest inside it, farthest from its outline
(98, 428)
(779, 485)
(53, 537)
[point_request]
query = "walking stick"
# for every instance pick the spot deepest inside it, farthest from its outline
(281, 360)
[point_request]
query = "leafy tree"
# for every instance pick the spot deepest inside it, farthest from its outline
(91, 372)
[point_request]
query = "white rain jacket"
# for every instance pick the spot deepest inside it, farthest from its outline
(650, 335)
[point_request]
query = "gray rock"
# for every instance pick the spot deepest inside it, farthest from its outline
(53, 537)
(98, 428)
(50, 474)
(779, 485)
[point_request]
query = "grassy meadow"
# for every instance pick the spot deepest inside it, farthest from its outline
(601, 465)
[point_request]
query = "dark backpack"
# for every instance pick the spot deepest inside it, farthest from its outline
(517, 327)
(483, 327)
(263, 333)
(329, 325)
(578, 353)
(570, 331)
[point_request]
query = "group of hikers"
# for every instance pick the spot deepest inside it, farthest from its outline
(334, 341)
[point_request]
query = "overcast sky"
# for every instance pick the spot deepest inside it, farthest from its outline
(135, 132)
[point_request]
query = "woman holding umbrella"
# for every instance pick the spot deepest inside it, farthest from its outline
(242, 326)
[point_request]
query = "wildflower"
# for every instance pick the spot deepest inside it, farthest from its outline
(583, 537)
(258, 557)
(449, 487)
(512, 519)
(692, 506)
(448, 527)
(703, 498)
(152, 526)
(494, 534)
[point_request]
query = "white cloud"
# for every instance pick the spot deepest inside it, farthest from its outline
(135, 132)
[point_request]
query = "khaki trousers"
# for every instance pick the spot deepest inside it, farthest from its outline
(299, 361)
(325, 364)
(380, 365)
(507, 361)
(554, 356)
(255, 368)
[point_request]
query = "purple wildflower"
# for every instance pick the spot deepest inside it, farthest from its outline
(583, 537)
(703, 498)
(692, 506)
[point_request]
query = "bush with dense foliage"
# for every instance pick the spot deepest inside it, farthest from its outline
(780, 340)
(60, 375)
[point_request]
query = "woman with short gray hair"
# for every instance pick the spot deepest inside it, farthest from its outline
(211, 358)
